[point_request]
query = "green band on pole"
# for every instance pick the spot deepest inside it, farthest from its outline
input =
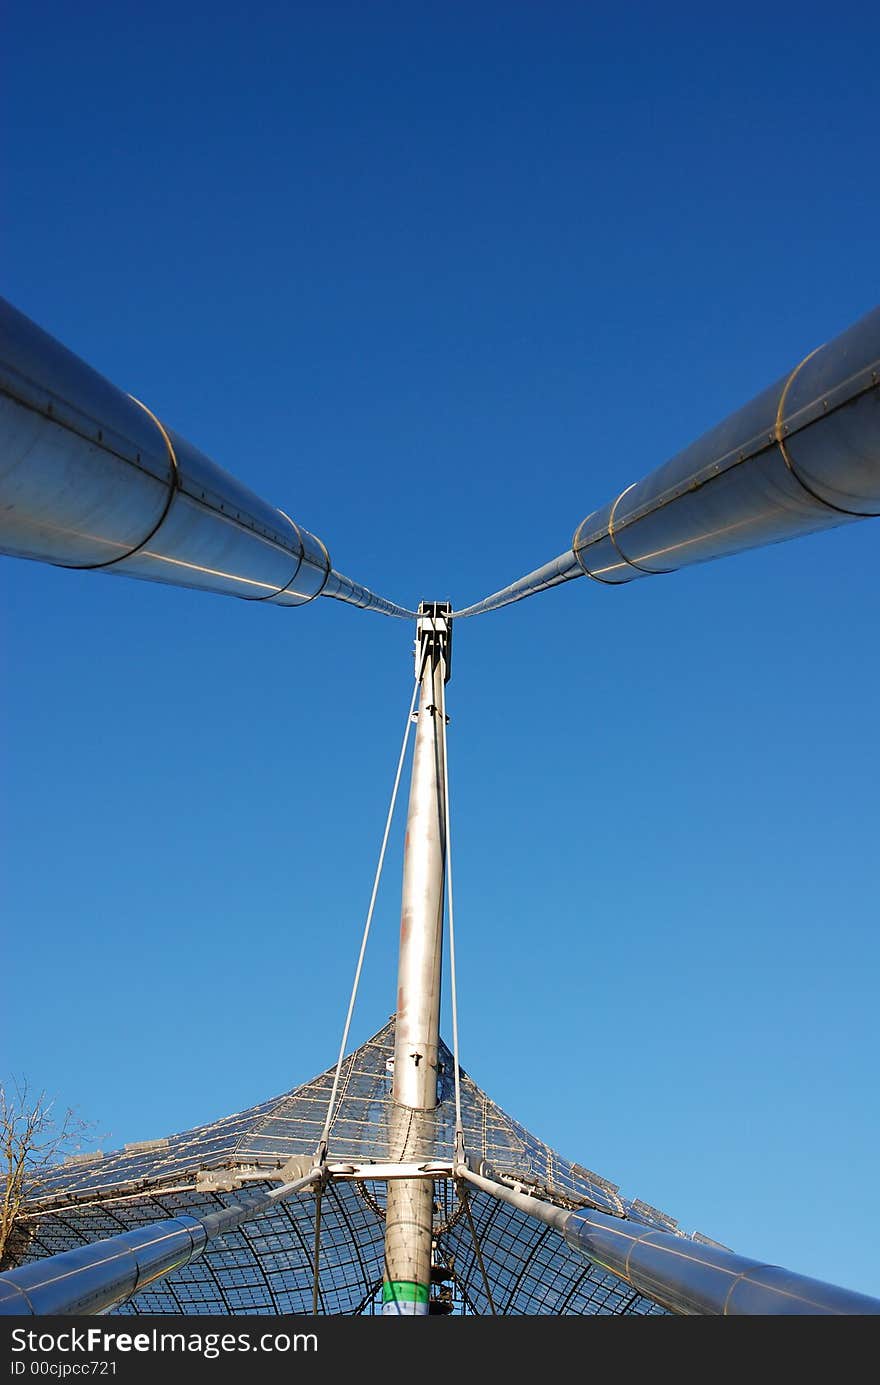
(404, 1291)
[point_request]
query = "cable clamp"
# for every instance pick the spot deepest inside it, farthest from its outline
(460, 1159)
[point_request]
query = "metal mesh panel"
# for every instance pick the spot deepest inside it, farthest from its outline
(530, 1268)
(266, 1266)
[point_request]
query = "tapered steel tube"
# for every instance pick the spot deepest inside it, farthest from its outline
(803, 456)
(92, 478)
(409, 1207)
(681, 1274)
(94, 1277)
(561, 569)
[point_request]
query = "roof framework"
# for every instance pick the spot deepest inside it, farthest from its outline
(266, 1266)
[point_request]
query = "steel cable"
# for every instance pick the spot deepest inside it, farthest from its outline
(325, 1134)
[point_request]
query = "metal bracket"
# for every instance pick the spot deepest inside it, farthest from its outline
(435, 1168)
(232, 1177)
(434, 636)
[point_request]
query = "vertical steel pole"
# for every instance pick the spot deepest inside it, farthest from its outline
(410, 1202)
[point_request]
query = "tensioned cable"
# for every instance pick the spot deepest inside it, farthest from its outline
(316, 1278)
(453, 987)
(325, 1133)
(465, 1196)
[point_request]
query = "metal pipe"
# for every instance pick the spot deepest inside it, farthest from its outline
(801, 457)
(680, 1274)
(561, 569)
(91, 478)
(410, 1202)
(94, 1277)
(342, 588)
(97, 1276)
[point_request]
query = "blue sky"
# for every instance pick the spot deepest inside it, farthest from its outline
(439, 281)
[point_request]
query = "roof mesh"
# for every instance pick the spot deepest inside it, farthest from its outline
(265, 1266)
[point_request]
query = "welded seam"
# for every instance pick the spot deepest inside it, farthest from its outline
(326, 553)
(581, 561)
(781, 432)
(648, 571)
(748, 452)
(299, 562)
(173, 489)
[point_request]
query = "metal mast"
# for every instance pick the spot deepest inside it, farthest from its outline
(686, 1275)
(410, 1202)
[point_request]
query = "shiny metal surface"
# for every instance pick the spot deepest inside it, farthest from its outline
(486, 1181)
(561, 569)
(91, 478)
(379, 1172)
(264, 1267)
(342, 588)
(421, 920)
(680, 1273)
(409, 1205)
(693, 1278)
(94, 1277)
(802, 456)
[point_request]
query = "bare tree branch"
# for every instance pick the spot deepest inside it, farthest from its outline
(34, 1140)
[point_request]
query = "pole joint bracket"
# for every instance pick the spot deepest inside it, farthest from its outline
(434, 638)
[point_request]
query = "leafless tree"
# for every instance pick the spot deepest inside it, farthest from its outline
(34, 1139)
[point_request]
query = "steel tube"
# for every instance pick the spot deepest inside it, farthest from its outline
(801, 457)
(91, 478)
(410, 1202)
(97, 1276)
(342, 588)
(561, 569)
(683, 1275)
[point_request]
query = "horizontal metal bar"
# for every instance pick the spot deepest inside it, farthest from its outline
(383, 1172)
(683, 1275)
(91, 478)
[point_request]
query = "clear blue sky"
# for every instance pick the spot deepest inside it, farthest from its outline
(439, 280)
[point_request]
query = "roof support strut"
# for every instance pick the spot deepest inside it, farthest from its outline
(801, 457)
(92, 478)
(682, 1275)
(97, 1276)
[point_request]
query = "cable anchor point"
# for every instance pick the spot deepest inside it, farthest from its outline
(434, 639)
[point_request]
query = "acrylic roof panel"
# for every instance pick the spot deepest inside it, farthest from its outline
(265, 1266)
